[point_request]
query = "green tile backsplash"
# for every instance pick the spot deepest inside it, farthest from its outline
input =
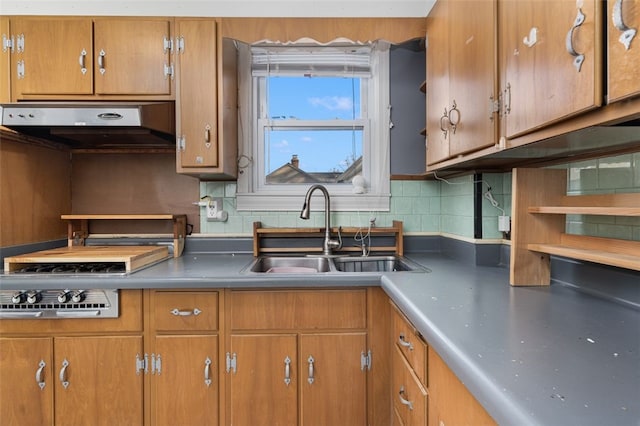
(611, 174)
(434, 207)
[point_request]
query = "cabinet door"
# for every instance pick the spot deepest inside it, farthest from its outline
(472, 75)
(438, 102)
(185, 392)
(333, 384)
(451, 402)
(26, 381)
(623, 49)
(263, 387)
(5, 65)
(56, 58)
(198, 96)
(96, 381)
(543, 82)
(130, 57)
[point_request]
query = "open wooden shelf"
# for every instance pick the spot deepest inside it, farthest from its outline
(310, 237)
(606, 251)
(540, 204)
(78, 226)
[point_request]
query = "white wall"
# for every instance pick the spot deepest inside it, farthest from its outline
(221, 8)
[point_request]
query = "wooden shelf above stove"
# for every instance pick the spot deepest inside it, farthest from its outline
(78, 226)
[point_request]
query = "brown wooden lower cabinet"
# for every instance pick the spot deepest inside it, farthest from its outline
(204, 357)
(296, 357)
(263, 380)
(450, 403)
(70, 380)
(71, 371)
(333, 380)
(186, 389)
(424, 389)
(183, 360)
(26, 397)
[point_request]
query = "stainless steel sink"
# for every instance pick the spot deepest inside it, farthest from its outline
(291, 264)
(316, 264)
(390, 263)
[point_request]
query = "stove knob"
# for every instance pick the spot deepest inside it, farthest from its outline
(17, 297)
(33, 297)
(78, 296)
(64, 296)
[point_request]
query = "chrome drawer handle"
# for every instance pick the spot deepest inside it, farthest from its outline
(405, 343)
(404, 401)
(177, 312)
(287, 371)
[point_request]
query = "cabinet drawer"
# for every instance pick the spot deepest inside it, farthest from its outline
(298, 309)
(409, 396)
(185, 310)
(410, 343)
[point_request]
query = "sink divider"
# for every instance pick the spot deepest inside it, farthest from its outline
(388, 240)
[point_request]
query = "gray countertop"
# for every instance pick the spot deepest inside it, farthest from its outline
(530, 355)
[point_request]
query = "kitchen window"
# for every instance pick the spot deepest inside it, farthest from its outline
(313, 115)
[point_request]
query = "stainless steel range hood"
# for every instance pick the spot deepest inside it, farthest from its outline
(94, 124)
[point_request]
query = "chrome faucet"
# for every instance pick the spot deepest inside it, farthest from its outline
(328, 244)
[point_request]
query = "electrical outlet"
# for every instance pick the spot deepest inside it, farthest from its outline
(215, 210)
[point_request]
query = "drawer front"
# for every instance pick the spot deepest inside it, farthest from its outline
(408, 340)
(298, 309)
(185, 310)
(409, 396)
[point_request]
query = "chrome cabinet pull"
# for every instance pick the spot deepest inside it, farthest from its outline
(454, 123)
(101, 56)
(81, 60)
(207, 135)
(207, 372)
(287, 371)
(532, 38)
(627, 33)
(63, 374)
(177, 312)
(39, 380)
(444, 123)
(310, 360)
(404, 401)
(403, 342)
(578, 57)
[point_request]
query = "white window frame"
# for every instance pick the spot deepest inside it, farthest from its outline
(252, 192)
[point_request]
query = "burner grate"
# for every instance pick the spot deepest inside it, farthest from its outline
(73, 268)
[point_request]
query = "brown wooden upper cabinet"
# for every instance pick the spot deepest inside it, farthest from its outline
(90, 57)
(623, 49)
(207, 100)
(461, 78)
(551, 61)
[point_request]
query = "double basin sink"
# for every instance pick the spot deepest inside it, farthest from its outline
(328, 264)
